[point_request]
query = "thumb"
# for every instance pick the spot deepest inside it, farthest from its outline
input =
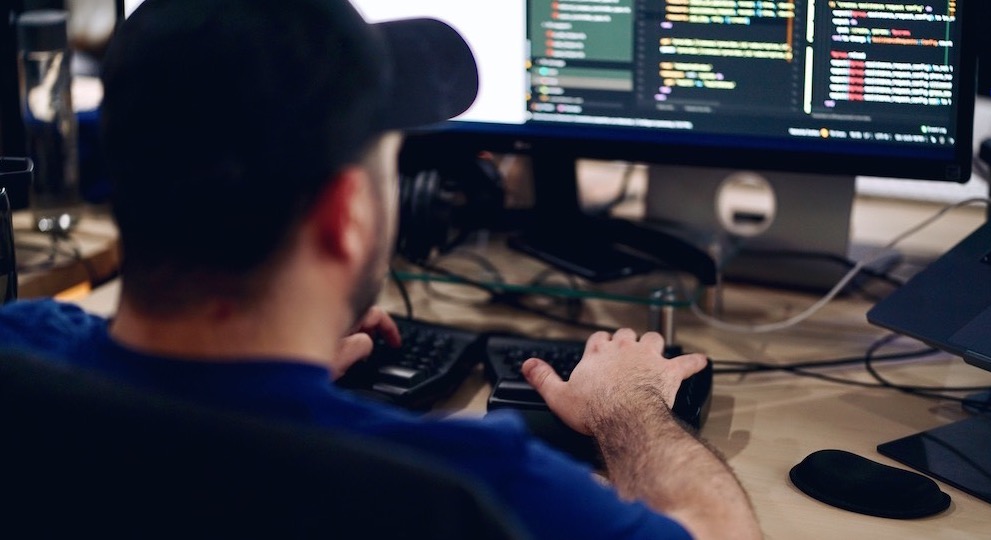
(549, 385)
(350, 350)
(543, 379)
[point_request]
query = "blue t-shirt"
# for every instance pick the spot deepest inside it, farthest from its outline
(553, 496)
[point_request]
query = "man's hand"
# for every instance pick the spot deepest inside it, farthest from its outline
(358, 344)
(612, 366)
(621, 393)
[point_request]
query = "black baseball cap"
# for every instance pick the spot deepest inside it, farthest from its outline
(423, 72)
(234, 108)
(190, 59)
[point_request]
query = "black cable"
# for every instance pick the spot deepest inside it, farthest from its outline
(982, 169)
(621, 196)
(746, 367)
(932, 392)
(513, 300)
(572, 305)
(868, 360)
(828, 257)
(480, 260)
(55, 248)
(403, 292)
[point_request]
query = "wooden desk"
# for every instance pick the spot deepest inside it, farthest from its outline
(90, 255)
(765, 424)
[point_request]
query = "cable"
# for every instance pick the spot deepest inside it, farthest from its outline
(803, 369)
(64, 245)
(933, 392)
(542, 276)
(513, 299)
(493, 273)
(828, 257)
(981, 162)
(869, 359)
(403, 292)
(816, 307)
(747, 367)
(621, 196)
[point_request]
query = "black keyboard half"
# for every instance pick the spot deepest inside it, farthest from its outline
(504, 355)
(432, 362)
(435, 359)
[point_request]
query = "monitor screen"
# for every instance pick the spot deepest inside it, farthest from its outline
(883, 88)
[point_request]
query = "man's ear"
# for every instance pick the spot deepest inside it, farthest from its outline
(342, 215)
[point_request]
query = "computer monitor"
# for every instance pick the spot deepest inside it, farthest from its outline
(807, 86)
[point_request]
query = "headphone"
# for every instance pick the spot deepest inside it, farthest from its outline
(443, 200)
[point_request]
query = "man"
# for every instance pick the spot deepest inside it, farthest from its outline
(252, 145)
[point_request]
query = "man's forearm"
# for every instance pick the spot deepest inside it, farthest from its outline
(650, 457)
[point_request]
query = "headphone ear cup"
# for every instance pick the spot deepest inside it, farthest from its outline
(422, 222)
(484, 194)
(439, 208)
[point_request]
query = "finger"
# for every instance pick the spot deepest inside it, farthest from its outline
(624, 334)
(689, 364)
(549, 385)
(388, 329)
(543, 379)
(654, 340)
(351, 349)
(596, 340)
(378, 322)
(362, 321)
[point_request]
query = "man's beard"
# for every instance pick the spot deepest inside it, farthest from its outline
(370, 279)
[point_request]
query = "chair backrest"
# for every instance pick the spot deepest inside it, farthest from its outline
(82, 456)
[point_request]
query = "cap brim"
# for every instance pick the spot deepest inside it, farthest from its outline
(434, 76)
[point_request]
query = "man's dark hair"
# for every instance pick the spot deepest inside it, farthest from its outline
(220, 132)
(222, 120)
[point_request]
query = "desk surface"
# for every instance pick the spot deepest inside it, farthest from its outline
(764, 424)
(88, 255)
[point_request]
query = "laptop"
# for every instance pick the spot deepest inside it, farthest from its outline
(947, 305)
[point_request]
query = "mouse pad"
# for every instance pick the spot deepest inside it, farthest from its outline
(851, 482)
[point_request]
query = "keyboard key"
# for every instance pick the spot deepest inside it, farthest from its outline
(517, 391)
(401, 376)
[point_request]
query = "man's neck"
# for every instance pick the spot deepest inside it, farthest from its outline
(216, 331)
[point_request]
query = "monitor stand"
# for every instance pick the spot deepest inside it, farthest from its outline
(596, 248)
(561, 235)
(958, 454)
(781, 229)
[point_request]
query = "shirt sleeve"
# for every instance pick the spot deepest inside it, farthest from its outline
(559, 498)
(552, 495)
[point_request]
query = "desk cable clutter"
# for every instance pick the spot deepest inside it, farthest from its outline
(829, 296)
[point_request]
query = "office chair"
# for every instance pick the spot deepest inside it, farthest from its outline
(81, 456)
